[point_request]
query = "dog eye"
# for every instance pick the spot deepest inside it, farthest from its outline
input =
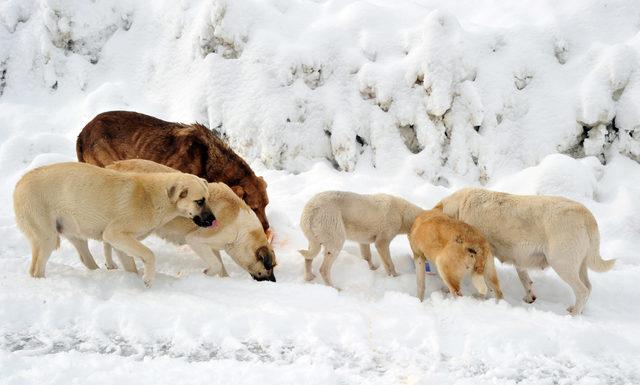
(200, 202)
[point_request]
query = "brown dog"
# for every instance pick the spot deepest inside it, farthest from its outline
(191, 148)
(456, 249)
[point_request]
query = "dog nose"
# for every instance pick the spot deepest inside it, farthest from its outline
(208, 217)
(260, 278)
(205, 219)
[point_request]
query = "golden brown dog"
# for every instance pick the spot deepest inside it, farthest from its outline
(80, 201)
(238, 231)
(456, 249)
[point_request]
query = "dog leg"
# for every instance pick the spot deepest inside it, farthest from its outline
(131, 246)
(40, 252)
(82, 247)
(365, 251)
(308, 273)
(208, 255)
(210, 271)
(526, 283)
(327, 262)
(570, 273)
(491, 277)
(584, 276)
(420, 262)
(452, 282)
(127, 262)
(382, 245)
(108, 259)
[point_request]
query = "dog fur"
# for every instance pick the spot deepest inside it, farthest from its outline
(238, 231)
(191, 148)
(535, 231)
(80, 201)
(456, 249)
(331, 217)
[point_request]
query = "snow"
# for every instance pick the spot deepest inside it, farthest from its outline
(412, 98)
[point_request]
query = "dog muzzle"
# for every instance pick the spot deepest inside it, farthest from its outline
(206, 219)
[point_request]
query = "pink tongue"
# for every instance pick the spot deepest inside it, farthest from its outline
(214, 223)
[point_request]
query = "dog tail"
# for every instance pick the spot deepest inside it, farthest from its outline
(594, 260)
(479, 283)
(596, 263)
(479, 253)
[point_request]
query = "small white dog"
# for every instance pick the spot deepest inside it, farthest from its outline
(331, 217)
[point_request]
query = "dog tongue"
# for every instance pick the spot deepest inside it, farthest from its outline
(214, 223)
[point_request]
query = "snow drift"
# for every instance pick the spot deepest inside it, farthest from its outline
(467, 87)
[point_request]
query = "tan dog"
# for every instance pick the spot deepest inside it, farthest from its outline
(456, 249)
(81, 201)
(331, 217)
(238, 230)
(535, 231)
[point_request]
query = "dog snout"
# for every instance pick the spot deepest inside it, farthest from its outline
(205, 219)
(264, 277)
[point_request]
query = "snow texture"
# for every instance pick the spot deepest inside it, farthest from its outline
(415, 98)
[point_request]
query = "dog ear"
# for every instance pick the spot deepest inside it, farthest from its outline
(177, 191)
(238, 190)
(266, 256)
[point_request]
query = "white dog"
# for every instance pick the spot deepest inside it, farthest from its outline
(535, 231)
(331, 217)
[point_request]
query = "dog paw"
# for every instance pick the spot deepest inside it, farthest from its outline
(111, 266)
(209, 271)
(373, 267)
(572, 311)
(148, 281)
(529, 298)
(393, 274)
(309, 277)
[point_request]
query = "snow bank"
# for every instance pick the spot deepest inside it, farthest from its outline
(468, 87)
(414, 98)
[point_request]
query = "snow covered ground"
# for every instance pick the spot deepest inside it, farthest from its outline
(414, 98)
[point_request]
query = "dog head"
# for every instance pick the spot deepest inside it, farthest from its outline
(254, 192)
(251, 249)
(189, 195)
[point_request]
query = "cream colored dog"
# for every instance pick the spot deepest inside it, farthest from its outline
(238, 230)
(535, 231)
(331, 217)
(456, 248)
(80, 201)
